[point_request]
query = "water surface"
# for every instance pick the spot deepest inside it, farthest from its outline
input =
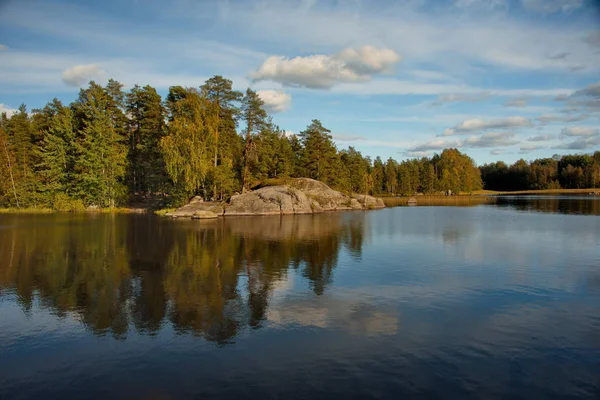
(491, 301)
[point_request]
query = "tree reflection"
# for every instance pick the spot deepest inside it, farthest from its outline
(211, 279)
(588, 205)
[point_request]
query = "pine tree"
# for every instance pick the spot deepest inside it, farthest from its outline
(256, 119)
(226, 143)
(147, 126)
(319, 158)
(55, 152)
(101, 157)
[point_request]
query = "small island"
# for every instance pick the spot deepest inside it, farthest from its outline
(297, 196)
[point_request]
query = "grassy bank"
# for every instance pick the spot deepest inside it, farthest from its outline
(28, 210)
(540, 192)
(439, 200)
(40, 210)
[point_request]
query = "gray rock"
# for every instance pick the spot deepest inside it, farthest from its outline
(300, 196)
(269, 201)
(368, 202)
(198, 207)
(201, 214)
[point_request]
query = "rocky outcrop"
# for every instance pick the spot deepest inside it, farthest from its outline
(368, 202)
(299, 196)
(199, 209)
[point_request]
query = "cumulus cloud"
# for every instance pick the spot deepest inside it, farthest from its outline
(491, 139)
(516, 102)
(322, 71)
(470, 125)
(275, 101)
(3, 47)
(340, 137)
(80, 74)
(461, 97)
(497, 152)
(552, 6)
(5, 109)
(580, 144)
(541, 138)
(581, 131)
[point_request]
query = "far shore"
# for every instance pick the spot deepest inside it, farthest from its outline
(477, 197)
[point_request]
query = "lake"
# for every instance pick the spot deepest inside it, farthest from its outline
(495, 301)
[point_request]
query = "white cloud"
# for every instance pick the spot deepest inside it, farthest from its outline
(592, 90)
(321, 71)
(461, 97)
(491, 139)
(497, 152)
(541, 138)
(516, 102)
(593, 39)
(418, 154)
(3, 47)
(5, 109)
(585, 131)
(552, 6)
(581, 144)
(341, 137)
(470, 125)
(531, 147)
(275, 101)
(558, 56)
(437, 144)
(561, 118)
(77, 75)
(487, 140)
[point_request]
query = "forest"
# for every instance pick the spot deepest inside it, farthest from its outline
(110, 148)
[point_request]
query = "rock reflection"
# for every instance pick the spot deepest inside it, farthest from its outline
(210, 279)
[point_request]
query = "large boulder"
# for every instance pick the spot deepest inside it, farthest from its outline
(299, 196)
(197, 208)
(368, 202)
(322, 196)
(269, 201)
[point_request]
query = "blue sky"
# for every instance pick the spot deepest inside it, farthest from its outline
(499, 79)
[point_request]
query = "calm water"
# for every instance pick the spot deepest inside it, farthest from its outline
(493, 301)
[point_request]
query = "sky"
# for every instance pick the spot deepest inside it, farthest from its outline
(497, 79)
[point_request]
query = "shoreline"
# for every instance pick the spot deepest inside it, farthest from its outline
(478, 197)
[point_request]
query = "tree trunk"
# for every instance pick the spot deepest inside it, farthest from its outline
(12, 179)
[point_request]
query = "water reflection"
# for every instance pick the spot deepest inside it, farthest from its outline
(585, 205)
(205, 278)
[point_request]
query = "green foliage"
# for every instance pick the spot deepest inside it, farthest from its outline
(108, 147)
(101, 150)
(187, 146)
(62, 202)
(319, 158)
(566, 172)
(146, 172)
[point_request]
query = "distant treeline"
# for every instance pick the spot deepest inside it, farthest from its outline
(566, 172)
(110, 147)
